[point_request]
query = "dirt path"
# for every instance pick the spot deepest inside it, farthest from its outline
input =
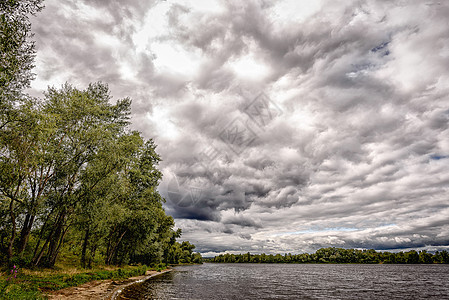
(99, 289)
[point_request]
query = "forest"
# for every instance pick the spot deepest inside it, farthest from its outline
(75, 179)
(339, 256)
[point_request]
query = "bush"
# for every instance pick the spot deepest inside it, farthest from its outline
(19, 261)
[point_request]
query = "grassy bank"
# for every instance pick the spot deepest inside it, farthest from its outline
(33, 284)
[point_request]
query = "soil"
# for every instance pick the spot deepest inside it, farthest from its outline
(99, 289)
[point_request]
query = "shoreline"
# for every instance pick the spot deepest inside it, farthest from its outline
(107, 289)
(118, 290)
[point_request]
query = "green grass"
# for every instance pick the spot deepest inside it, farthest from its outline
(33, 284)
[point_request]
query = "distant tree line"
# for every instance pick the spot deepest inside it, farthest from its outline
(73, 177)
(339, 256)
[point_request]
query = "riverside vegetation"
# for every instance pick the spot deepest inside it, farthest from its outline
(76, 183)
(340, 256)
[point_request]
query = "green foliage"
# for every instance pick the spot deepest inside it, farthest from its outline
(91, 182)
(76, 167)
(19, 291)
(31, 287)
(182, 253)
(338, 255)
(74, 179)
(13, 286)
(16, 48)
(161, 266)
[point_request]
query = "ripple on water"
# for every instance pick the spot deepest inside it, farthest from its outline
(296, 281)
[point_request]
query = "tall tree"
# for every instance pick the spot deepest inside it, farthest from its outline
(18, 141)
(16, 47)
(17, 120)
(85, 124)
(69, 166)
(101, 184)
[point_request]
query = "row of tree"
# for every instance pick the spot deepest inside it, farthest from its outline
(73, 176)
(339, 255)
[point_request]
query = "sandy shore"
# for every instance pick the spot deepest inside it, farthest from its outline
(100, 289)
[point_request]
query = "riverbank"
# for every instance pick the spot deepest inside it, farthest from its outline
(117, 291)
(60, 282)
(101, 289)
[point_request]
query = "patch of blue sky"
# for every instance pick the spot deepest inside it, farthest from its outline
(438, 156)
(380, 47)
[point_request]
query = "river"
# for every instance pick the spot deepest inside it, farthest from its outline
(296, 281)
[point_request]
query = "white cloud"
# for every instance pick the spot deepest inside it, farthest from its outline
(353, 150)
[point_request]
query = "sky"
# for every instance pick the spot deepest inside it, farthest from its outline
(283, 126)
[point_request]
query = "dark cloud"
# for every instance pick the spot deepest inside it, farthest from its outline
(241, 221)
(281, 128)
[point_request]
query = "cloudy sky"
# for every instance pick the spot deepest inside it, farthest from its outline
(284, 126)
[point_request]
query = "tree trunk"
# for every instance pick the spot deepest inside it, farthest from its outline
(52, 259)
(114, 249)
(41, 234)
(36, 260)
(93, 249)
(85, 244)
(55, 239)
(108, 248)
(50, 240)
(25, 233)
(13, 231)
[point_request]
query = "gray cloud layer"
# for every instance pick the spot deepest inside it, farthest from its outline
(281, 131)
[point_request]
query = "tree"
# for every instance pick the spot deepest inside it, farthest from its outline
(59, 158)
(16, 119)
(100, 185)
(17, 161)
(85, 125)
(425, 258)
(141, 228)
(16, 47)
(411, 257)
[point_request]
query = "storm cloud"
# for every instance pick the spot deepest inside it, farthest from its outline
(284, 126)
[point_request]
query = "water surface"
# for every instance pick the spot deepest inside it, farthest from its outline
(296, 281)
